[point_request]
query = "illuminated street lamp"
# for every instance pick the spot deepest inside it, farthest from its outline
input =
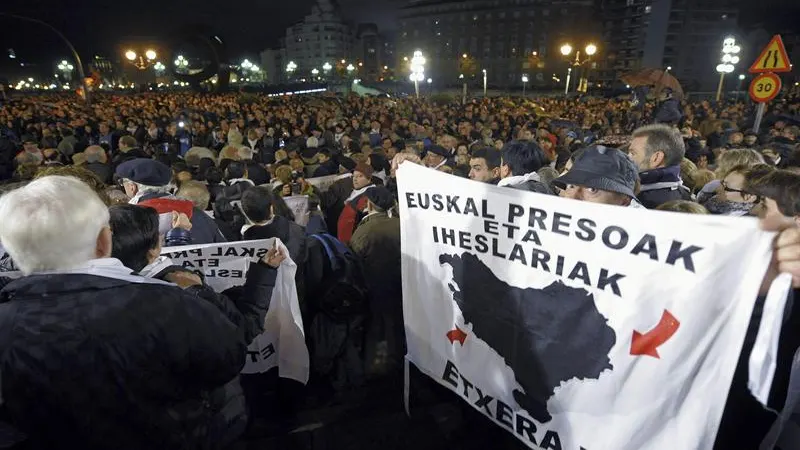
(181, 62)
(246, 64)
(417, 70)
(524, 83)
(327, 67)
(485, 79)
(315, 73)
(65, 67)
(141, 62)
(159, 67)
(730, 57)
(566, 50)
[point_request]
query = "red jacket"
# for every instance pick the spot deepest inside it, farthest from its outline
(348, 219)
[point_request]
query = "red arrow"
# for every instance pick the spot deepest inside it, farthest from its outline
(457, 335)
(648, 343)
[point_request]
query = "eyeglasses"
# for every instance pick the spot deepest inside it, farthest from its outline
(729, 189)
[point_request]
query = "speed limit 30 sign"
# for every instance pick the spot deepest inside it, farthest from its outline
(765, 87)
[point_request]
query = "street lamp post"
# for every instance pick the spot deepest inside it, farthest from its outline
(66, 68)
(290, 68)
(141, 62)
(314, 73)
(739, 87)
(524, 83)
(485, 76)
(583, 82)
(327, 68)
(417, 70)
(730, 58)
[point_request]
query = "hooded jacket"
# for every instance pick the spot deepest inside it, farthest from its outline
(662, 185)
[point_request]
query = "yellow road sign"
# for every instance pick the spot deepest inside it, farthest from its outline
(773, 58)
(765, 87)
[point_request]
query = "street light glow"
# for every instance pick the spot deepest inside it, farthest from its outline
(291, 67)
(464, 56)
(150, 54)
(741, 77)
(130, 55)
(351, 67)
(524, 78)
(327, 66)
(591, 49)
(566, 49)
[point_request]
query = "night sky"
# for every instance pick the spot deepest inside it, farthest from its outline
(103, 27)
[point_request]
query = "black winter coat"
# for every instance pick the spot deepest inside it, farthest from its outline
(93, 362)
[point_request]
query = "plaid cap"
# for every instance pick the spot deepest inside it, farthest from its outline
(603, 168)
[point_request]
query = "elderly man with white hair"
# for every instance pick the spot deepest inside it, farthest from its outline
(91, 355)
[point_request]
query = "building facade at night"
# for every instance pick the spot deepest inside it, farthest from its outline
(507, 38)
(685, 35)
(322, 37)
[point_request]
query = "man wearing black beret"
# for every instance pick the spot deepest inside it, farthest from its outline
(147, 181)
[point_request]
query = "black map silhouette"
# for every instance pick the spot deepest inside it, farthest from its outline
(546, 336)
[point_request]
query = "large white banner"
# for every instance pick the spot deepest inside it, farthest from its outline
(575, 325)
(225, 265)
(323, 184)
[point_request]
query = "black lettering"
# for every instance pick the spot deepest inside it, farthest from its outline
(623, 237)
(514, 211)
(647, 244)
(424, 201)
(483, 401)
(448, 235)
(187, 263)
(464, 240)
(511, 230)
(251, 252)
(231, 252)
(471, 208)
(495, 251)
(540, 258)
(560, 265)
(580, 271)
(606, 280)
(561, 220)
(532, 236)
(524, 425)
(537, 216)
(481, 243)
(517, 254)
(435, 235)
(212, 263)
(438, 205)
(587, 227)
(490, 227)
(237, 274)
(196, 252)
(503, 414)
(199, 263)
(551, 441)
(450, 374)
(183, 254)
(485, 210)
(261, 252)
(217, 252)
(253, 356)
(410, 200)
(268, 351)
(676, 253)
(452, 206)
(467, 386)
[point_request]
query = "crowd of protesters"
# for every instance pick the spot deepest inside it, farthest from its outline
(91, 194)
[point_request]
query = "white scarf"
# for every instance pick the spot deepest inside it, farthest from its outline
(108, 268)
(358, 192)
(519, 179)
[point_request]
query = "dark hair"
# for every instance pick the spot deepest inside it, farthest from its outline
(490, 155)
(180, 166)
(523, 157)
(135, 232)
(235, 169)
(213, 175)
(782, 186)
(257, 203)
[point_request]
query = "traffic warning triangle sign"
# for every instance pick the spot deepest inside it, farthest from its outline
(773, 58)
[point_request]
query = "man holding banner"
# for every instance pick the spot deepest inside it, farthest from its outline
(541, 313)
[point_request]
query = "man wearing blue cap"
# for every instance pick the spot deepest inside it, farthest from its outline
(146, 181)
(601, 175)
